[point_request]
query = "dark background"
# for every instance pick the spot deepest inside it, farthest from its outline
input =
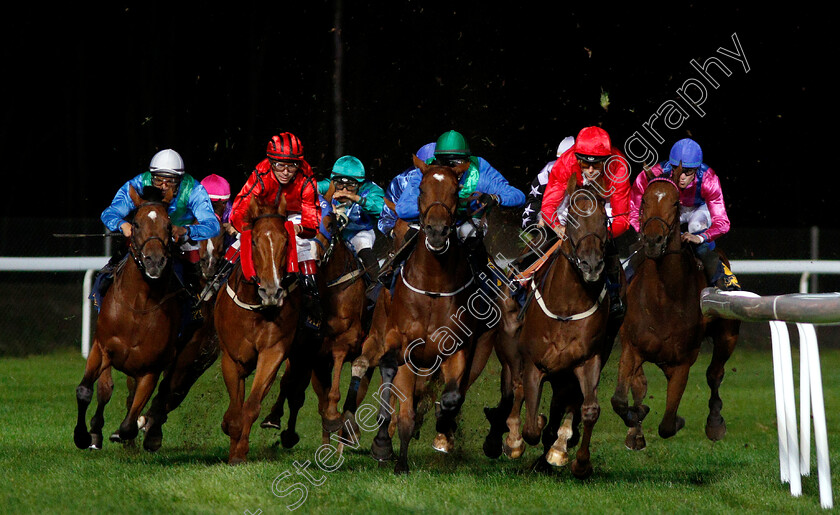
(89, 95)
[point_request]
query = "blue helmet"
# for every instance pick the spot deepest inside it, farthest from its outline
(426, 152)
(687, 152)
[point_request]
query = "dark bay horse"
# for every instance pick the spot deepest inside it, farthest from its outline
(344, 328)
(195, 355)
(664, 324)
(138, 325)
(428, 330)
(565, 339)
(256, 318)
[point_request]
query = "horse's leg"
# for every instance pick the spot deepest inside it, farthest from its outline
(299, 377)
(274, 419)
(404, 382)
(677, 378)
(455, 372)
(234, 376)
(514, 446)
(199, 354)
(332, 419)
(268, 362)
(382, 447)
(532, 380)
(321, 383)
(145, 386)
(588, 375)
(631, 375)
(95, 365)
(361, 392)
(560, 433)
(131, 385)
(725, 338)
(104, 389)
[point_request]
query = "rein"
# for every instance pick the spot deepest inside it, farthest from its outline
(669, 227)
(259, 307)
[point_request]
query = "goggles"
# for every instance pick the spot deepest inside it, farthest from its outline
(345, 183)
(288, 166)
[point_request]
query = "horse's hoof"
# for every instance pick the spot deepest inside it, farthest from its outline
(331, 425)
(443, 444)
(350, 421)
(82, 438)
(115, 437)
(541, 466)
(153, 443)
(236, 461)
(289, 439)
(400, 468)
(382, 451)
(581, 471)
(513, 450)
(557, 458)
(95, 442)
(635, 442)
(666, 432)
(492, 447)
(715, 431)
(143, 422)
(269, 424)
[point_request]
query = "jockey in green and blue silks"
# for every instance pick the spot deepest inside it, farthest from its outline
(190, 211)
(480, 178)
(398, 184)
(357, 203)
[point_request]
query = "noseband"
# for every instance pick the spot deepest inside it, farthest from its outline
(137, 251)
(451, 212)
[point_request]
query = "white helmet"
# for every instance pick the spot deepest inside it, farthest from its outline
(565, 145)
(167, 162)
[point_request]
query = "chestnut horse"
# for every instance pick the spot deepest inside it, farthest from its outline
(196, 355)
(138, 324)
(565, 339)
(344, 328)
(256, 319)
(664, 324)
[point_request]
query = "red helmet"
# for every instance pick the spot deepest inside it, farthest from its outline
(593, 145)
(286, 146)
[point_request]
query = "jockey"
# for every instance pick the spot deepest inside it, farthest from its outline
(530, 215)
(357, 203)
(284, 171)
(190, 212)
(218, 189)
(395, 189)
(591, 156)
(480, 179)
(701, 207)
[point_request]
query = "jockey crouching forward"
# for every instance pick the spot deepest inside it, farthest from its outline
(284, 171)
(701, 207)
(482, 187)
(190, 211)
(357, 204)
(591, 157)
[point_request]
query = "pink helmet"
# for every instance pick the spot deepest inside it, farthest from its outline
(217, 187)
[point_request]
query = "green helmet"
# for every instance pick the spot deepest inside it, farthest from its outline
(348, 166)
(452, 143)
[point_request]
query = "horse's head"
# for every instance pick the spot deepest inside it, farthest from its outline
(210, 251)
(659, 216)
(438, 202)
(269, 249)
(586, 230)
(151, 231)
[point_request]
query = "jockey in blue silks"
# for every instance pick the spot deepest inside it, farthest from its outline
(482, 184)
(396, 188)
(190, 211)
(356, 204)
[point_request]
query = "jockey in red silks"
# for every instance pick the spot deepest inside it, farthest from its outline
(593, 155)
(701, 207)
(284, 171)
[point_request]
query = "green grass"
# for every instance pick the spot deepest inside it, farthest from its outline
(45, 473)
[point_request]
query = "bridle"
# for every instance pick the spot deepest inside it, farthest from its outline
(669, 227)
(137, 250)
(452, 225)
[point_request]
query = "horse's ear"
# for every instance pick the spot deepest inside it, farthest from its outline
(135, 197)
(253, 211)
(281, 206)
(648, 172)
(461, 168)
(419, 163)
(571, 185)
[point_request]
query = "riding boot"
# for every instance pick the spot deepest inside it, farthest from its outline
(312, 310)
(612, 268)
(386, 273)
(717, 273)
(370, 263)
(104, 279)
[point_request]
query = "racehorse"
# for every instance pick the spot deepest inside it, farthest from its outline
(138, 324)
(197, 354)
(565, 339)
(256, 318)
(344, 328)
(664, 324)
(418, 340)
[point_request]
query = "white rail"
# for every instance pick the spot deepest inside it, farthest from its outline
(794, 456)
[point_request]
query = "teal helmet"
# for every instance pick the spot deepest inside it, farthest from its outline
(348, 166)
(452, 143)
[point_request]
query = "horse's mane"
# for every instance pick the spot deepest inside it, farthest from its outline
(152, 194)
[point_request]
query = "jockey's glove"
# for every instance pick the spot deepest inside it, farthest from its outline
(488, 200)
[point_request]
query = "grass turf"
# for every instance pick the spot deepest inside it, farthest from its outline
(44, 472)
